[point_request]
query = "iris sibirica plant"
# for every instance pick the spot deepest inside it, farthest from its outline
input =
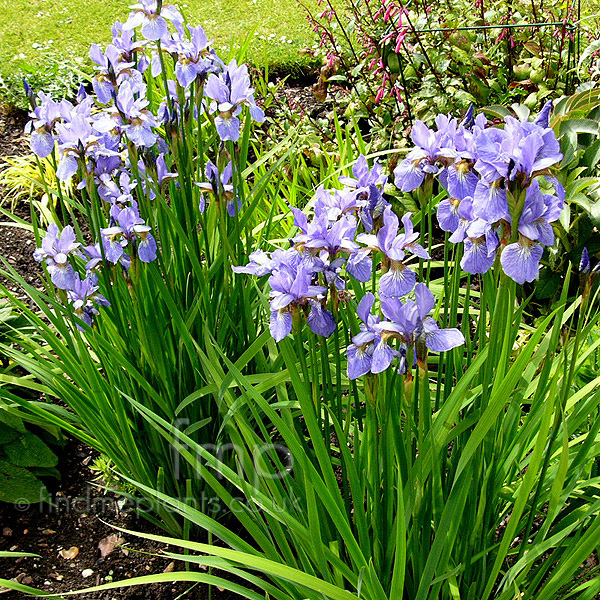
(431, 440)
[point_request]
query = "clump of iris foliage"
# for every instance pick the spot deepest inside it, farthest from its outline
(349, 404)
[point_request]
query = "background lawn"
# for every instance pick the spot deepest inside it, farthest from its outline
(29, 28)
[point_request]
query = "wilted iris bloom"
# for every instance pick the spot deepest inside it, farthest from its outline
(230, 91)
(399, 280)
(220, 186)
(83, 296)
(55, 250)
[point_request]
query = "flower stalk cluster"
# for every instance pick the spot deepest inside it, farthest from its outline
(354, 232)
(123, 145)
(503, 197)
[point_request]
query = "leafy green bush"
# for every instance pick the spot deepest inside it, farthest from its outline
(405, 61)
(24, 457)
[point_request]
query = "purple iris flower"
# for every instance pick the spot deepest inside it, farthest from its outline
(220, 186)
(124, 40)
(291, 287)
(162, 172)
(399, 280)
(139, 120)
(520, 151)
(543, 117)
(334, 238)
(480, 249)
(479, 237)
(415, 327)
(75, 137)
(331, 269)
(336, 203)
(538, 212)
(112, 72)
(94, 254)
(407, 322)
(262, 263)
(154, 25)
(83, 295)
(490, 200)
(230, 90)
(521, 260)
(128, 226)
(113, 193)
(369, 352)
(195, 58)
(434, 151)
(461, 181)
(78, 140)
(448, 214)
(55, 250)
(43, 118)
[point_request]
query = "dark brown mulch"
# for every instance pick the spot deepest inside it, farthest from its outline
(80, 519)
(16, 247)
(12, 140)
(16, 244)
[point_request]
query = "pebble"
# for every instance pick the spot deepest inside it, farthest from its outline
(87, 573)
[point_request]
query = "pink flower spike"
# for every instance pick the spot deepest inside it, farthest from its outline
(390, 12)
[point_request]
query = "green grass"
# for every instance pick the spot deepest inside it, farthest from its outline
(278, 27)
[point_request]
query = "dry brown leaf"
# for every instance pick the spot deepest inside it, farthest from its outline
(169, 568)
(107, 545)
(69, 554)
